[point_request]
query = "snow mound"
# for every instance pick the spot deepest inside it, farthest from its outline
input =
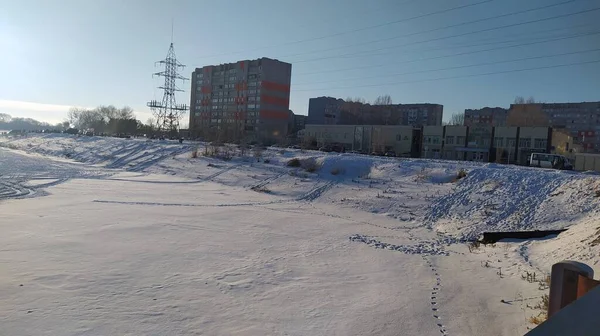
(581, 242)
(344, 165)
(504, 198)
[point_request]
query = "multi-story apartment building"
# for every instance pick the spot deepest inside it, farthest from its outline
(332, 111)
(297, 122)
(487, 116)
(324, 111)
(242, 100)
(579, 120)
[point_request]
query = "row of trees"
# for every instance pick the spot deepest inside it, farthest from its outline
(110, 120)
(103, 119)
(7, 122)
(381, 100)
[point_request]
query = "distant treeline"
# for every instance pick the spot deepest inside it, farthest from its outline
(7, 123)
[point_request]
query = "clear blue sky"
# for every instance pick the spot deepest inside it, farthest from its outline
(61, 53)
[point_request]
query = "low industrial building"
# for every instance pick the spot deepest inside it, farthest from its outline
(402, 140)
(483, 143)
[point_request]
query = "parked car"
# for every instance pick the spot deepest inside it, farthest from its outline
(325, 149)
(390, 154)
(553, 161)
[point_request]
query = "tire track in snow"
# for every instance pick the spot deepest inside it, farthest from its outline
(10, 189)
(268, 180)
(222, 205)
(220, 172)
(317, 192)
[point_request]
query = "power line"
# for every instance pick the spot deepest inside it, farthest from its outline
(490, 41)
(358, 29)
(458, 54)
(459, 35)
(457, 67)
(435, 29)
(455, 77)
(308, 23)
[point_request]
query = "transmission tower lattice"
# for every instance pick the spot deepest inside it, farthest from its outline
(167, 112)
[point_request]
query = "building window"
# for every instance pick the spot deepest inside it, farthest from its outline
(511, 142)
(540, 143)
(525, 143)
(436, 140)
(460, 140)
(449, 140)
(498, 142)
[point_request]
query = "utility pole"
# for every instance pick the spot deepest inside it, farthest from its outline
(167, 112)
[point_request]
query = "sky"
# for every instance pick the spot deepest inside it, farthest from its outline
(458, 53)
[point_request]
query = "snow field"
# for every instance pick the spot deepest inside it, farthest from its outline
(205, 246)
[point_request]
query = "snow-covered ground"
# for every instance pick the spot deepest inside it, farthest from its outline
(104, 236)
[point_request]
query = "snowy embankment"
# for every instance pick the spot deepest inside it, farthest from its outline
(130, 154)
(290, 223)
(505, 198)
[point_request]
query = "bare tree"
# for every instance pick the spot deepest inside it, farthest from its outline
(383, 100)
(99, 118)
(522, 100)
(355, 100)
(5, 117)
(151, 122)
(457, 119)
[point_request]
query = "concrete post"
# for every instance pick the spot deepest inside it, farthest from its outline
(564, 281)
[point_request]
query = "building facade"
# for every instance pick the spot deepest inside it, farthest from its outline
(433, 140)
(324, 111)
(503, 144)
(297, 122)
(243, 100)
(487, 116)
(333, 111)
(579, 120)
(402, 140)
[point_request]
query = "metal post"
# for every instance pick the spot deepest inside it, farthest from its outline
(564, 283)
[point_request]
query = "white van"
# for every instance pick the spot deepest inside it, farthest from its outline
(553, 161)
